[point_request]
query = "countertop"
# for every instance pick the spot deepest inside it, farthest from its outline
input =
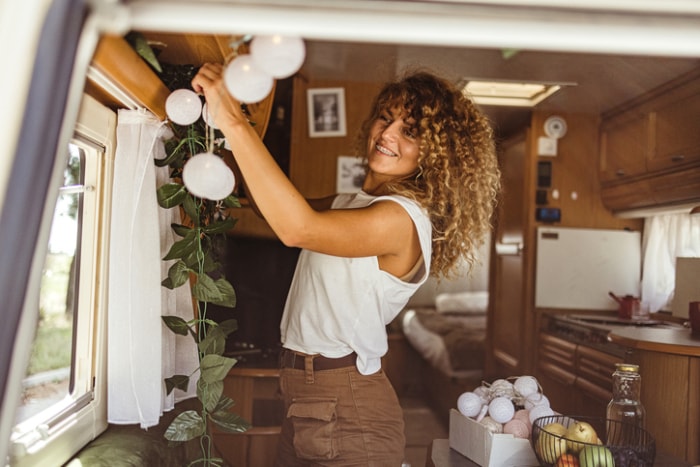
(440, 455)
(675, 341)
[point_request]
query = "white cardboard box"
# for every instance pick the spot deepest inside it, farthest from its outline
(473, 440)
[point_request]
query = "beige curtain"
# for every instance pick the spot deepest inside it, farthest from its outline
(141, 350)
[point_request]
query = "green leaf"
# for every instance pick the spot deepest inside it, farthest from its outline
(206, 290)
(186, 426)
(224, 404)
(177, 381)
(167, 283)
(175, 148)
(232, 201)
(171, 195)
(178, 274)
(176, 324)
(228, 326)
(140, 44)
(229, 422)
(191, 209)
(225, 292)
(183, 247)
(215, 367)
(214, 343)
(219, 227)
(209, 393)
(180, 229)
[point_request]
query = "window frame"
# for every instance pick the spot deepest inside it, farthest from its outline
(55, 434)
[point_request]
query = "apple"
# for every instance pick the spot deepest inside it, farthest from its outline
(567, 460)
(579, 434)
(551, 443)
(596, 456)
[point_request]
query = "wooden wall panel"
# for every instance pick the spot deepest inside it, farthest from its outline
(313, 161)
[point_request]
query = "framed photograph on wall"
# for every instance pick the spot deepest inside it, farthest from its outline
(326, 108)
(351, 174)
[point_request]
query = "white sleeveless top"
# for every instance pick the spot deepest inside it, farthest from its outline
(338, 305)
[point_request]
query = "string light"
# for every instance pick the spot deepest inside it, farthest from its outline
(245, 81)
(249, 78)
(183, 107)
(279, 56)
(206, 175)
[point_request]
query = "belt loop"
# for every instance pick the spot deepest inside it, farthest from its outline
(309, 368)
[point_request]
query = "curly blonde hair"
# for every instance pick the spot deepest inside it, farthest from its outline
(458, 181)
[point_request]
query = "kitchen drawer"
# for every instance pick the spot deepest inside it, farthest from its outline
(557, 359)
(557, 352)
(594, 370)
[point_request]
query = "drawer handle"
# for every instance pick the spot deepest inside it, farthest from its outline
(620, 173)
(678, 158)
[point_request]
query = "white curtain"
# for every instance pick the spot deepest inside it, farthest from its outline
(142, 351)
(666, 237)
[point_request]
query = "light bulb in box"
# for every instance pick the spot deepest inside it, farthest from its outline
(206, 175)
(469, 404)
(183, 106)
(279, 56)
(245, 81)
(526, 385)
(501, 409)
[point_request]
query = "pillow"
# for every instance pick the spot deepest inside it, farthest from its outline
(462, 302)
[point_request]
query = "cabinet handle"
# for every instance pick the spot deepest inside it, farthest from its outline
(677, 158)
(620, 173)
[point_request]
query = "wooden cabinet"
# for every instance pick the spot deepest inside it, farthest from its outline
(556, 372)
(672, 401)
(624, 146)
(255, 393)
(675, 129)
(650, 148)
(576, 378)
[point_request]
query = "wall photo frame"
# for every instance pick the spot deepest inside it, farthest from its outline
(351, 174)
(326, 109)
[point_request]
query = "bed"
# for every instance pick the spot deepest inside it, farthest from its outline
(445, 322)
(450, 336)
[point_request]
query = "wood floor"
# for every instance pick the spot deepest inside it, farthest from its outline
(422, 427)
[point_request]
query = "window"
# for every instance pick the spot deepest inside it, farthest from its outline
(63, 394)
(49, 377)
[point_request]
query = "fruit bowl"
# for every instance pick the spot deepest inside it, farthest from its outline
(565, 441)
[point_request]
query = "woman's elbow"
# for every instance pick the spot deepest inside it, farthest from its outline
(292, 238)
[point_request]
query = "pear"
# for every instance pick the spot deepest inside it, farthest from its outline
(551, 442)
(579, 434)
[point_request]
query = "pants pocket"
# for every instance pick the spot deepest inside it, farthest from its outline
(314, 422)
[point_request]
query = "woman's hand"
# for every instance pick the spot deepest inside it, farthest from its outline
(222, 107)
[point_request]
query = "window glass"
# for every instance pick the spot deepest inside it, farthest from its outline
(49, 373)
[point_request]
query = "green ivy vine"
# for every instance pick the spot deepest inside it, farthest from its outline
(196, 264)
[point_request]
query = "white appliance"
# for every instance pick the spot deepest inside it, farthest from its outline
(577, 268)
(687, 287)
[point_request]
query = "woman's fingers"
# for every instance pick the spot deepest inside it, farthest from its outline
(222, 106)
(207, 75)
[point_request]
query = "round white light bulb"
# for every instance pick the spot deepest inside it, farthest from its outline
(206, 175)
(501, 409)
(207, 117)
(279, 56)
(469, 404)
(245, 81)
(183, 106)
(526, 385)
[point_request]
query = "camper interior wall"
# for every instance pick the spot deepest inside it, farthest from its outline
(669, 28)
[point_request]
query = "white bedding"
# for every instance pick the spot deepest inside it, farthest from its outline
(432, 346)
